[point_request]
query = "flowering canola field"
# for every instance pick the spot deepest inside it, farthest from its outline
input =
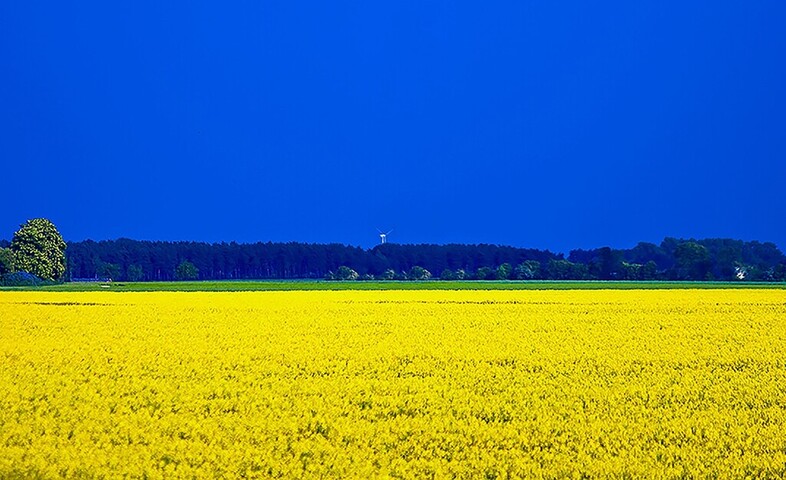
(394, 384)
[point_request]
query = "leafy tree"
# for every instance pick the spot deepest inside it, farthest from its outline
(419, 273)
(630, 271)
(6, 261)
(485, 273)
(108, 270)
(566, 270)
(558, 269)
(388, 274)
(762, 255)
(186, 271)
(779, 273)
(649, 271)
(504, 271)
(645, 252)
(607, 264)
(346, 273)
(38, 248)
(461, 274)
(527, 270)
(693, 261)
(447, 274)
(134, 273)
(726, 255)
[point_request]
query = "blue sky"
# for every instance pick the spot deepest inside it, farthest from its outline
(539, 124)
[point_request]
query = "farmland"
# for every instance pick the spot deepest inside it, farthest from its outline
(308, 285)
(504, 383)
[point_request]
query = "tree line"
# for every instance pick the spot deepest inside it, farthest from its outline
(672, 259)
(134, 260)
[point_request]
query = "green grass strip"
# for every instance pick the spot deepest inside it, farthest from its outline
(295, 285)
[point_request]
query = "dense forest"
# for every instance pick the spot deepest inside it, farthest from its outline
(673, 259)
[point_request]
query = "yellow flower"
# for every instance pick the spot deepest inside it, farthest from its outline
(381, 384)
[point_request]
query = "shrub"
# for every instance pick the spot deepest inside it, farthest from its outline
(20, 279)
(485, 273)
(346, 273)
(447, 274)
(419, 273)
(504, 271)
(6, 261)
(388, 274)
(186, 271)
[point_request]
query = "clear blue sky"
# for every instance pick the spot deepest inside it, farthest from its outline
(532, 123)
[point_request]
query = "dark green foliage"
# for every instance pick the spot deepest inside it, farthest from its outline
(447, 274)
(108, 271)
(346, 273)
(692, 262)
(20, 279)
(485, 273)
(607, 265)
(779, 273)
(637, 271)
(504, 271)
(645, 252)
(134, 273)
(233, 261)
(388, 274)
(39, 249)
(6, 261)
(528, 270)
(186, 271)
(566, 270)
(602, 263)
(419, 273)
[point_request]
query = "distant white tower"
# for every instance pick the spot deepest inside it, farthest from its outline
(383, 236)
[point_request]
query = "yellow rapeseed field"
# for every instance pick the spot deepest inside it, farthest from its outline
(403, 384)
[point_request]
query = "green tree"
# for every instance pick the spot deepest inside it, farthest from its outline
(38, 248)
(485, 273)
(346, 273)
(186, 271)
(607, 264)
(693, 261)
(447, 274)
(135, 273)
(528, 270)
(6, 261)
(779, 273)
(649, 271)
(108, 270)
(419, 273)
(388, 274)
(630, 271)
(504, 271)
(561, 269)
